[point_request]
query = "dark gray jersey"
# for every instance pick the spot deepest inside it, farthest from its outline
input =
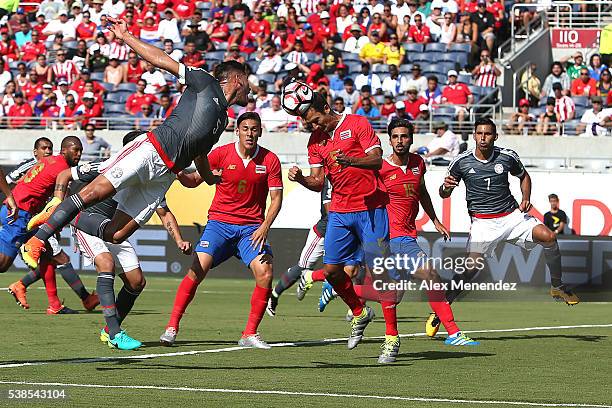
(22, 168)
(82, 175)
(196, 123)
(486, 182)
(321, 225)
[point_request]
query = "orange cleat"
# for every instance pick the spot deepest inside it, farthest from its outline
(42, 217)
(31, 250)
(18, 290)
(91, 301)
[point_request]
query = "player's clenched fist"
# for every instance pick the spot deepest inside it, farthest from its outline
(295, 173)
(185, 247)
(450, 182)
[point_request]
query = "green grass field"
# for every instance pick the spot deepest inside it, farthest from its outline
(556, 366)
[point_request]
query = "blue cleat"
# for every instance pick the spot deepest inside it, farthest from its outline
(460, 339)
(327, 295)
(123, 342)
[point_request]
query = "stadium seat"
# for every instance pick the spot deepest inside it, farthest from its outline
(270, 89)
(221, 46)
(569, 128)
(349, 56)
(444, 110)
(380, 99)
(580, 111)
(436, 47)
(543, 101)
(420, 57)
(126, 87)
(380, 69)
(464, 78)
(115, 97)
(111, 107)
(70, 44)
(536, 111)
(218, 55)
(582, 101)
(405, 69)
(463, 47)
(413, 47)
(269, 78)
(312, 57)
(107, 86)
(97, 76)
(353, 66)
(254, 65)
(13, 65)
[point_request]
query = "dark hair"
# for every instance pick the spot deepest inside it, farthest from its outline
(433, 78)
(319, 102)
(557, 63)
(249, 115)
(400, 122)
(69, 141)
(553, 195)
(41, 140)
(132, 135)
(168, 41)
(222, 71)
(338, 99)
(486, 121)
(349, 81)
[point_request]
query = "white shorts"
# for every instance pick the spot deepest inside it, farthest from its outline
(313, 250)
(140, 177)
(515, 228)
(91, 247)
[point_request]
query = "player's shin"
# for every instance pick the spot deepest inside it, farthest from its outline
(442, 309)
(390, 314)
(459, 279)
(125, 301)
(259, 300)
(47, 271)
(287, 279)
(184, 295)
(63, 214)
(31, 277)
(73, 280)
(106, 292)
(318, 275)
(343, 286)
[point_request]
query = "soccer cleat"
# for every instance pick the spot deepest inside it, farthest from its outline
(18, 290)
(43, 216)
(272, 303)
(390, 350)
(564, 294)
(358, 325)
(91, 301)
(432, 325)
(253, 341)
(305, 284)
(62, 310)
(104, 337)
(327, 295)
(123, 342)
(460, 340)
(31, 250)
(169, 336)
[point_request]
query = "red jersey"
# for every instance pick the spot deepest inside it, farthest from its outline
(193, 60)
(413, 108)
(184, 10)
(241, 196)
(31, 89)
(403, 186)
(86, 31)
(32, 50)
(23, 111)
(579, 88)
(94, 112)
(354, 189)
(32, 192)
(9, 49)
(134, 73)
(456, 94)
(134, 102)
(258, 28)
(312, 44)
(417, 35)
(79, 87)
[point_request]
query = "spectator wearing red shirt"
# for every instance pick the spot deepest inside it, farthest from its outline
(152, 9)
(238, 36)
(419, 32)
(8, 47)
(87, 29)
(324, 29)
(68, 111)
(584, 85)
(184, 9)
(20, 109)
(258, 28)
(130, 19)
(310, 40)
(191, 56)
(32, 49)
(218, 31)
(161, 4)
(283, 39)
(134, 68)
(52, 112)
(413, 103)
(456, 93)
(79, 85)
(40, 25)
(32, 87)
(87, 110)
(139, 98)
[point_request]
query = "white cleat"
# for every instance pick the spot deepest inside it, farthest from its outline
(253, 341)
(169, 336)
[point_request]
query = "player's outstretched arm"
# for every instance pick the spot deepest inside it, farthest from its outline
(169, 221)
(430, 211)
(446, 189)
(313, 182)
(258, 239)
(203, 166)
(372, 161)
(525, 205)
(149, 52)
(10, 201)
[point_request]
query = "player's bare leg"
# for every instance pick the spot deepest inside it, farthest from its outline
(262, 271)
(185, 293)
(548, 239)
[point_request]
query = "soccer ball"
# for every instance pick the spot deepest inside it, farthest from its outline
(296, 98)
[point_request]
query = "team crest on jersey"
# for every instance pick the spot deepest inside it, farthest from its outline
(416, 171)
(85, 168)
(231, 167)
(204, 244)
(393, 177)
(117, 172)
(260, 169)
(499, 168)
(345, 134)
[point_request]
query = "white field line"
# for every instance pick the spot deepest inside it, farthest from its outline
(287, 344)
(214, 292)
(304, 394)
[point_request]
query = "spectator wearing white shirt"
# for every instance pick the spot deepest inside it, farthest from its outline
(435, 22)
(50, 8)
(449, 6)
(156, 83)
(401, 9)
(593, 115)
(368, 78)
(413, 12)
(349, 94)
(445, 144)
(168, 27)
(77, 15)
(271, 62)
(95, 12)
(5, 76)
(375, 7)
(173, 53)
(356, 41)
(274, 118)
(62, 91)
(395, 84)
(61, 25)
(417, 80)
(297, 56)
(114, 8)
(340, 108)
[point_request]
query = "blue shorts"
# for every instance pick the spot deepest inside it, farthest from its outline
(348, 233)
(222, 241)
(410, 252)
(356, 258)
(12, 236)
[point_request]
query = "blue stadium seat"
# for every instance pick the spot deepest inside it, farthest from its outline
(218, 55)
(463, 47)
(569, 128)
(97, 76)
(543, 101)
(111, 107)
(349, 56)
(582, 101)
(269, 78)
(312, 57)
(580, 111)
(537, 111)
(405, 69)
(381, 68)
(107, 86)
(413, 47)
(70, 44)
(115, 97)
(270, 89)
(129, 86)
(465, 78)
(444, 110)
(419, 57)
(435, 47)
(221, 46)
(254, 65)
(353, 66)
(380, 99)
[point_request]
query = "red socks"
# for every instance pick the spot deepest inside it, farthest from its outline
(259, 301)
(318, 275)
(440, 306)
(344, 288)
(184, 295)
(390, 314)
(47, 272)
